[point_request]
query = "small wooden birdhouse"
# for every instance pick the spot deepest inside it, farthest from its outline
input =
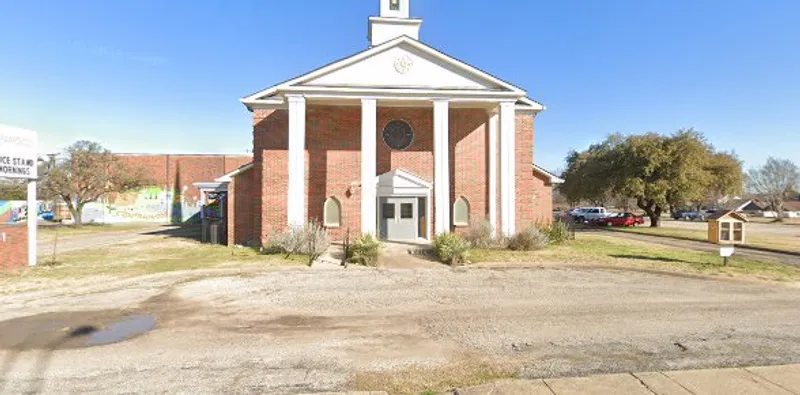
(726, 227)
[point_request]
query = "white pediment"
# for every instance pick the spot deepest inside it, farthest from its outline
(404, 66)
(399, 182)
(399, 65)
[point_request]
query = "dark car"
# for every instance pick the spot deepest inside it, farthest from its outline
(689, 215)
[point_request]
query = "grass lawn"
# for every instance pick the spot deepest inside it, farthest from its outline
(69, 230)
(775, 242)
(594, 249)
(157, 255)
(786, 221)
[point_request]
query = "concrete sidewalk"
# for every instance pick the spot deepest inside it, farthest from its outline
(783, 379)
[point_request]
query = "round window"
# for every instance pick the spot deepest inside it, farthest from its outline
(398, 135)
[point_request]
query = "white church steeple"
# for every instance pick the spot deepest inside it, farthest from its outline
(393, 22)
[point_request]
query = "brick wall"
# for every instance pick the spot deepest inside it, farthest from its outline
(534, 197)
(182, 171)
(13, 247)
(241, 209)
(271, 160)
(174, 176)
(469, 164)
(333, 164)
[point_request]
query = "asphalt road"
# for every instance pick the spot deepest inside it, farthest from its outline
(305, 330)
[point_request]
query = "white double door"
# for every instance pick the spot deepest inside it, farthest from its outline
(398, 218)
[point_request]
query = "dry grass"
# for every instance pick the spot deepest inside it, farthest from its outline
(772, 241)
(786, 221)
(156, 255)
(599, 249)
(422, 380)
(70, 230)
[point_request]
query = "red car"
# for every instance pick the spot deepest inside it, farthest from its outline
(624, 219)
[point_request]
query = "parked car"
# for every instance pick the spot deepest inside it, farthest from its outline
(689, 215)
(622, 219)
(590, 214)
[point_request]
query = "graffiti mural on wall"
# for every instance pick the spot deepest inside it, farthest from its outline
(152, 204)
(12, 211)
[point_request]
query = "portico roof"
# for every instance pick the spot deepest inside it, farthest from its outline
(402, 69)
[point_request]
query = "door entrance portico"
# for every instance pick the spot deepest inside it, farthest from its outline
(403, 208)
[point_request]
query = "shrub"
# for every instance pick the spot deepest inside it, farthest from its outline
(365, 250)
(528, 240)
(310, 240)
(557, 232)
(451, 248)
(479, 234)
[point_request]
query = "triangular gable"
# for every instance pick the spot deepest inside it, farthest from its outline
(405, 66)
(400, 178)
(402, 62)
(729, 213)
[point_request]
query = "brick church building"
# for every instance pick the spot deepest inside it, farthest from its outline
(399, 140)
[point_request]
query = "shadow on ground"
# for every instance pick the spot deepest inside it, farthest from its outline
(649, 258)
(184, 231)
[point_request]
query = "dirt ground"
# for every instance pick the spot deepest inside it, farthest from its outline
(303, 330)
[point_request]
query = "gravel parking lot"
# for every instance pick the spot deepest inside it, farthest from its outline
(300, 330)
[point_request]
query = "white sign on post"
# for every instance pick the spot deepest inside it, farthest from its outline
(18, 156)
(726, 251)
(19, 159)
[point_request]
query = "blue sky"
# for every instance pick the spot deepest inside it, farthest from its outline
(166, 76)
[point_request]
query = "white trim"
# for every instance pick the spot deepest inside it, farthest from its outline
(229, 177)
(387, 188)
(396, 21)
(211, 186)
(369, 160)
(529, 104)
(441, 165)
(553, 178)
(461, 223)
(494, 119)
(374, 51)
(331, 199)
(296, 198)
(33, 223)
(508, 177)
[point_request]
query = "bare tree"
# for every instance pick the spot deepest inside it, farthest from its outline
(775, 182)
(85, 173)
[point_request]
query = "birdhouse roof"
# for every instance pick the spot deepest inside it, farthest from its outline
(730, 213)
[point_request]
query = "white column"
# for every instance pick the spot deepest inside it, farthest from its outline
(441, 165)
(369, 165)
(507, 169)
(296, 198)
(493, 119)
(33, 221)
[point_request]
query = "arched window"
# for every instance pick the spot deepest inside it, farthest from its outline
(332, 213)
(461, 212)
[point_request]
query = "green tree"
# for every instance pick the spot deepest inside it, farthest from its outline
(85, 173)
(657, 171)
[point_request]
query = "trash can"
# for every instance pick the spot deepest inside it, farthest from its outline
(214, 230)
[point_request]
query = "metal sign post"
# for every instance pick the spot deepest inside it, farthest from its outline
(19, 159)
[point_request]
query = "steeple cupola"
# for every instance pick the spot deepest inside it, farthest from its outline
(393, 22)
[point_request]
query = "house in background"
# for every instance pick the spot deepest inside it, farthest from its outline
(399, 140)
(760, 208)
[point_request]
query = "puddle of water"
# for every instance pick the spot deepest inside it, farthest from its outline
(51, 331)
(122, 330)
